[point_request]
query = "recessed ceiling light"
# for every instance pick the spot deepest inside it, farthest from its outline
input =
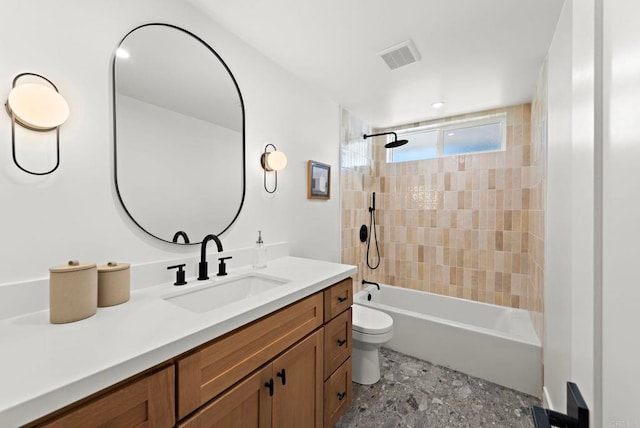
(439, 104)
(121, 53)
(451, 134)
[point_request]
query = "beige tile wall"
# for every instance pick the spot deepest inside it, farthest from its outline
(458, 226)
(536, 200)
(356, 160)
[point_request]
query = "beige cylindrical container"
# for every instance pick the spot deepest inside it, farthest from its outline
(114, 282)
(73, 292)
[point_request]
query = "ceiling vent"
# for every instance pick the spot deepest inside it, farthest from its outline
(400, 55)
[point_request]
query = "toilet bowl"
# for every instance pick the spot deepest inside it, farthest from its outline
(370, 330)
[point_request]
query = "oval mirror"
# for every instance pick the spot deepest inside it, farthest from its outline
(178, 134)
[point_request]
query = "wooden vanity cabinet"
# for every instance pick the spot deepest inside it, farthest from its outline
(316, 371)
(298, 395)
(337, 393)
(287, 392)
(248, 404)
(291, 368)
(337, 344)
(338, 298)
(215, 367)
(148, 402)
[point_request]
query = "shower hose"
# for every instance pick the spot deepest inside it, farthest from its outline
(372, 232)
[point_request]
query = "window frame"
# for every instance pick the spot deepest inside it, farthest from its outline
(442, 127)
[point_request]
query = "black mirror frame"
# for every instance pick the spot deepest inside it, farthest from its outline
(115, 138)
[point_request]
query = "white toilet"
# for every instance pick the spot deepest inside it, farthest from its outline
(371, 329)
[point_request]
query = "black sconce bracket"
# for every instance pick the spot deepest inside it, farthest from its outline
(265, 168)
(13, 128)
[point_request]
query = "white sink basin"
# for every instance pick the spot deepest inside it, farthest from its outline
(217, 295)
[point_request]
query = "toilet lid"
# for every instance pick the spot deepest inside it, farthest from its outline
(370, 321)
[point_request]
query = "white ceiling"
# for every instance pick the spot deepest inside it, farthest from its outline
(476, 54)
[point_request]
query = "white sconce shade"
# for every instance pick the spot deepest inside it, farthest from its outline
(37, 107)
(275, 161)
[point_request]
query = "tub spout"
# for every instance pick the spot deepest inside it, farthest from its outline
(364, 281)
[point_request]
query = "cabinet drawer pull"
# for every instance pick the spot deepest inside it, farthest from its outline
(341, 395)
(283, 375)
(270, 386)
(342, 299)
(342, 342)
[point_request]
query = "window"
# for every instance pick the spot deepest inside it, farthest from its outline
(423, 145)
(475, 135)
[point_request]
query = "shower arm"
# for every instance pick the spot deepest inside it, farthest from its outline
(382, 133)
(391, 144)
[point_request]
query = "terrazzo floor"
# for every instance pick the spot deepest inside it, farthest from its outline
(415, 393)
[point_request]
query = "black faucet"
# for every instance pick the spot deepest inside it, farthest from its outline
(178, 235)
(179, 274)
(203, 266)
(364, 281)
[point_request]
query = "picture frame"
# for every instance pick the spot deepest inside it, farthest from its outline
(318, 180)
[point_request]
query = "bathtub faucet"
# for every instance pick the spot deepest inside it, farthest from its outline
(364, 281)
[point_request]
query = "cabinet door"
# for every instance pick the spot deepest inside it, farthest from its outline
(246, 405)
(146, 402)
(297, 399)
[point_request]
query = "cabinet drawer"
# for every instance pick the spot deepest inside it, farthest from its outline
(337, 394)
(209, 371)
(337, 342)
(337, 298)
(146, 402)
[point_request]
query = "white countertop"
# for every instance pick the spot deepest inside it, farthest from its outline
(44, 367)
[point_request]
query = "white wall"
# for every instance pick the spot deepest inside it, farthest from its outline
(570, 318)
(602, 349)
(621, 215)
(74, 213)
(558, 221)
(583, 215)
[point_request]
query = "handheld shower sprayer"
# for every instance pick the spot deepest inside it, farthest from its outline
(372, 231)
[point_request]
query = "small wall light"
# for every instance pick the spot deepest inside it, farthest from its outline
(272, 161)
(38, 107)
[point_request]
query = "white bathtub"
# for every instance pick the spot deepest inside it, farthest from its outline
(491, 342)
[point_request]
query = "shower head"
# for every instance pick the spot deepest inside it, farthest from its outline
(390, 144)
(395, 143)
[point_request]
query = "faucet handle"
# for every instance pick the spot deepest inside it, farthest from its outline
(179, 274)
(222, 267)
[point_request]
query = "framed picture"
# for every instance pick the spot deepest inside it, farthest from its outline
(318, 180)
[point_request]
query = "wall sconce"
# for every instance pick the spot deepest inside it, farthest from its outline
(272, 162)
(36, 107)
